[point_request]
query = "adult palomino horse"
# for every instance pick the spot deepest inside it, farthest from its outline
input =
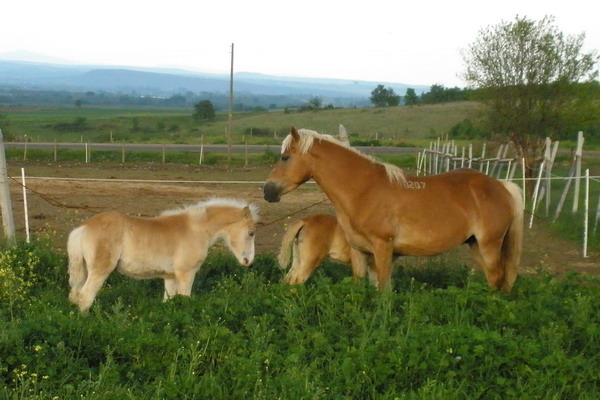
(171, 246)
(309, 241)
(385, 213)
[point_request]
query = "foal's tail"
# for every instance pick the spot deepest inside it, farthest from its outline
(513, 241)
(77, 268)
(287, 242)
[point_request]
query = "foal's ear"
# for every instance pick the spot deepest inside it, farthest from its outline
(247, 212)
(295, 134)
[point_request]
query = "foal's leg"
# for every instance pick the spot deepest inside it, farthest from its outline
(184, 278)
(306, 260)
(99, 269)
(489, 256)
(170, 288)
(360, 263)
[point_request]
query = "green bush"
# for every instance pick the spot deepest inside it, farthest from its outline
(25, 268)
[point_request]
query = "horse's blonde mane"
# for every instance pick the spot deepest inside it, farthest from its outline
(307, 138)
(200, 207)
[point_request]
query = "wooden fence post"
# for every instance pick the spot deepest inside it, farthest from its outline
(5, 203)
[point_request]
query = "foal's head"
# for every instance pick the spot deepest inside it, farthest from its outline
(292, 169)
(239, 234)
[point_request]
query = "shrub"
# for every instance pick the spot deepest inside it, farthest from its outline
(25, 267)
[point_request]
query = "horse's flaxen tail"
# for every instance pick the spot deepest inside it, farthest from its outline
(77, 268)
(513, 241)
(287, 242)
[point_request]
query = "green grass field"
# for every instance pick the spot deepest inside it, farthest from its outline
(177, 125)
(440, 334)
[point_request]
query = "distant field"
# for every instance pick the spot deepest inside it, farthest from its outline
(177, 125)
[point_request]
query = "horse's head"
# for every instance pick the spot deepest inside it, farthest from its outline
(290, 171)
(239, 236)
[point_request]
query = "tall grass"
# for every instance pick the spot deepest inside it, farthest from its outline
(440, 334)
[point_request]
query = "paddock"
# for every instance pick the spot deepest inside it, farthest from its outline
(146, 189)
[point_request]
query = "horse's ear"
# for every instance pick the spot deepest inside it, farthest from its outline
(247, 212)
(295, 134)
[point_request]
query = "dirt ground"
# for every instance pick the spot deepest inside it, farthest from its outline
(58, 205)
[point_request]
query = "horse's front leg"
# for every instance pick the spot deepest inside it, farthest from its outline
(184, 276)
(170, 288)
(382, 252)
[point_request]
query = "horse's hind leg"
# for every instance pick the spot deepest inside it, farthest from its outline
(360, 265)
(306, 260)
(489, 256)
(98, 271)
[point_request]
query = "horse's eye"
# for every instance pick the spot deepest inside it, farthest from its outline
(285, 158)
(251, 233)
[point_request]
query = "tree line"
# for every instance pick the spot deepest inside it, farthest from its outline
(387, 97)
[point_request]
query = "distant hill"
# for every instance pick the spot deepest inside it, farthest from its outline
(168, 82)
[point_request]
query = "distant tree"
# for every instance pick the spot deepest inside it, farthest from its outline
(535, 81)
(393, 99)
(78, 103)
(440, 94)
(313, 104)
(204, 110)
(135, 124)
(382, 97)
(411, 98)
(316, 102)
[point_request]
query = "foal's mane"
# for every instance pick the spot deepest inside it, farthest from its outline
(200, 207)
(307, 138)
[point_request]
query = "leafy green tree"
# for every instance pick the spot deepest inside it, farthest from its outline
(316, 102)
(382, 97)
(411, 98)
(204, 110)
(535, 81)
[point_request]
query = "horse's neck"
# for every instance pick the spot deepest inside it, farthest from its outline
(343, 175)
(219, 216)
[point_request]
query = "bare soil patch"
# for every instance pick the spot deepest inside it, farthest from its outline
(58, 206)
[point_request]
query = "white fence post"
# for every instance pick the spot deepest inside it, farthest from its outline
(25, 208)
(535, 194)
(578, 155)
(586, 212)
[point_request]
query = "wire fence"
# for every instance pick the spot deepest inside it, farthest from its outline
(545, 193)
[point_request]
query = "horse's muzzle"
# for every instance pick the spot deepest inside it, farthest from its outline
(272, 192)
(247, 263)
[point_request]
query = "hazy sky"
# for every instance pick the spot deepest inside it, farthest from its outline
(417, 42)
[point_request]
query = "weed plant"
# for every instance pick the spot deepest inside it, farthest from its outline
(439, 334)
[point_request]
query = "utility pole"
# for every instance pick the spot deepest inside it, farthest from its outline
(230, 122)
